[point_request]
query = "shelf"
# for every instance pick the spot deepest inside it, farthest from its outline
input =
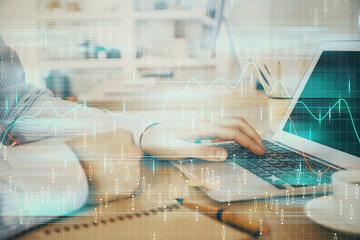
(81, 64)
(169, 15)
(143, 63)
(77, 17)
(62, 16)
(174, 63)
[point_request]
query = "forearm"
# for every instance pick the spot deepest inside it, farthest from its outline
(40, 182)
(54, 118)
(30, 114)
(115, 163)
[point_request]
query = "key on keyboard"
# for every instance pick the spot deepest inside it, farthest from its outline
(279, 166)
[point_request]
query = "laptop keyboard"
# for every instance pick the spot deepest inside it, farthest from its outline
(279, 166)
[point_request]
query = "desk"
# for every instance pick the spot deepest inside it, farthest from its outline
(171, 183)
(295, 225)
(165, 180)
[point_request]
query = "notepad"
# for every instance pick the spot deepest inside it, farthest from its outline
(172, 221)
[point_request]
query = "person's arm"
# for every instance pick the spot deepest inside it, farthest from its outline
(31, 114)
(29, 193)
(170, 140)
(37, 185)
(56, 119)
(114, 160)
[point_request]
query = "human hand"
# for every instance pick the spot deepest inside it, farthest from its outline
(114, 160)
(167, 141)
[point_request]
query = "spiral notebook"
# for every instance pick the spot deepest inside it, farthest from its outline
(169, 222)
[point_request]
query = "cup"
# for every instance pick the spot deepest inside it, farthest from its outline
(346, 192)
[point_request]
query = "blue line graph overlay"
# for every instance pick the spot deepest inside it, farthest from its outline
(195, 80)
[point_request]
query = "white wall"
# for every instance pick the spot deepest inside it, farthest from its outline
(256, 25)
(287, 31)
(293, 12)
(19, 30)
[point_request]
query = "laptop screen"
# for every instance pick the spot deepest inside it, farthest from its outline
(328, 109)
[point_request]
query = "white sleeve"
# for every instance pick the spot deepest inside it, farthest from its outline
(50, 117)
(30, 114)
(39, 181)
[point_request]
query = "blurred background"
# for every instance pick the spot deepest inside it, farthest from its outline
(148, 55)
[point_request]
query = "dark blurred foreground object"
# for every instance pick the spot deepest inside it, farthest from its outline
(59, 84)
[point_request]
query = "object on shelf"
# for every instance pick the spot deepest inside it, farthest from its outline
(148, 5)
(54, 4)
(139, 52)
(70, 6)
(161, 5)
(113, 53)
(85, 49)
(100, 52)
(73, 7)
(183, 4)
(159, 75)
(59, 84)
(211, 8)
(90, 51)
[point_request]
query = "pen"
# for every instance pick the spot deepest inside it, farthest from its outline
(279, 71)
(227, 217)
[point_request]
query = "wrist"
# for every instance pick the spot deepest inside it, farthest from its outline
(146, 129)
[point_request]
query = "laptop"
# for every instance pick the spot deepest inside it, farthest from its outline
(316, 137)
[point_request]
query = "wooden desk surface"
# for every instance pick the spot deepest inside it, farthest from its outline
(169, 183)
